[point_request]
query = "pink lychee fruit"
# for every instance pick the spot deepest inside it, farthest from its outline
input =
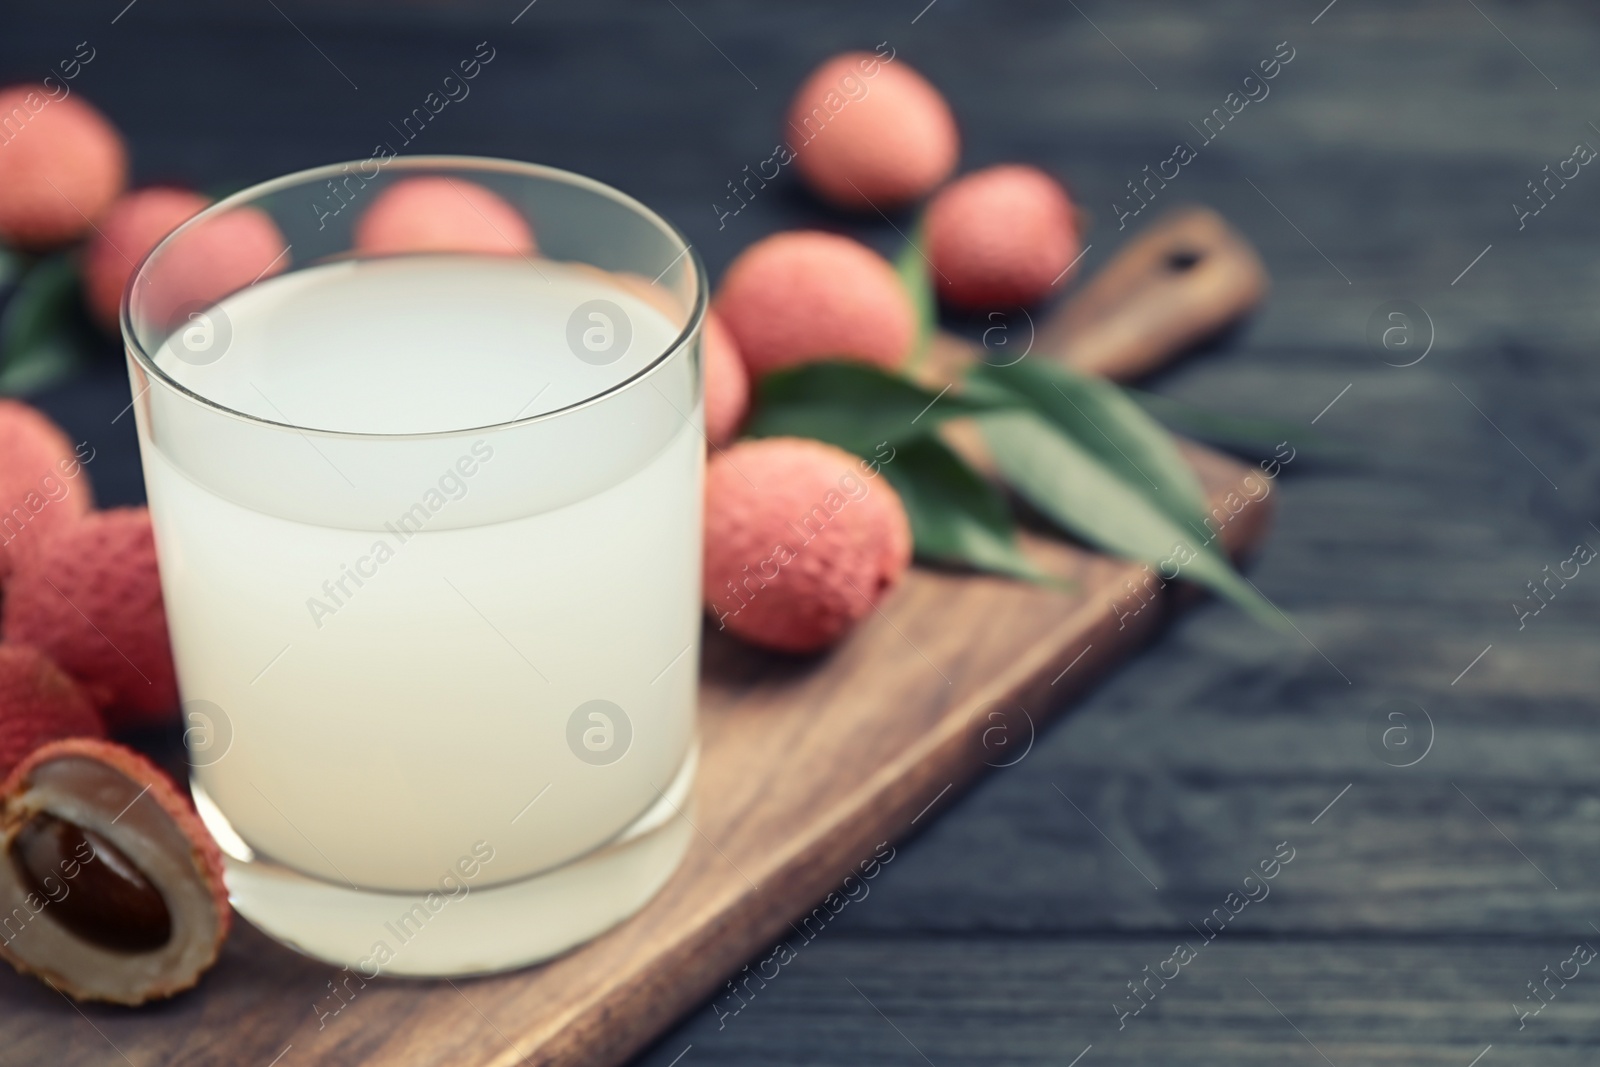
(871, 140)
(1001, 237)
(39, 702)
(90, 599)
(804, 295)
(134, 225)
(62, 163)
(442, 214)
(800, 542)
(204, 262)
(40, 487)
(727, 382)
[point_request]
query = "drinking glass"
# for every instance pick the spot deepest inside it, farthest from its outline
(422, 439)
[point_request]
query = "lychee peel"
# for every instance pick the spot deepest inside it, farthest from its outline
(138, 909)
(801, 540)
(39, 702)
(442, 214)
(871, 140)
(805, 295)
(1001, 237)
(90, 599)
(62, 163)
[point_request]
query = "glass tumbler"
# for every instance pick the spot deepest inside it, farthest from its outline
(422, 439)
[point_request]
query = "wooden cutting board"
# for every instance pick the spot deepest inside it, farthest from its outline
(811, 769)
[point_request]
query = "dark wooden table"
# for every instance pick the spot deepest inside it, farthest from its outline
(1421, 900)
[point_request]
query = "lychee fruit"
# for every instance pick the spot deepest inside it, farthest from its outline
(206, 261)
(61, 165)
(869, 133)
(1000, 237)
(801, 540)
(40, 487)
(134, 225)
(38, 703)
(90, 599)
(442, 214)
(804, 295)
(727, 382)
(110, 887)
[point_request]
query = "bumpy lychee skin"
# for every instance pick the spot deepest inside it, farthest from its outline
(880, 141)
(60, 167)
(1001, 237)
(134, 225)
(111, 887)
(439, 214)
(90, 599)
(727, 382)
(800, 542)
(38, 703)
(804, 295)
(42, 487)
(207, 261)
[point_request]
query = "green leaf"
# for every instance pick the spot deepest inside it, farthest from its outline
(1072, 485)
(37, 342)
(912, 267)
(956, 516)
(38, 368)
(854, 406)
(42, 304)
(10, 266)
(1106, 423)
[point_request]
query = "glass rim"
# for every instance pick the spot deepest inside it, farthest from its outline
(247, 196)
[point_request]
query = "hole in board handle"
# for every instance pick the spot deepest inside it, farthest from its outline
(1182, 259)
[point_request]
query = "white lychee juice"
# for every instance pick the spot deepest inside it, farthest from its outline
(429, 534)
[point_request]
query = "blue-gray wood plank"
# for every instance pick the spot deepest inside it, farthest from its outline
(1387, 157)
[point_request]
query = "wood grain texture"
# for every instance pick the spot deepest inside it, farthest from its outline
(808, 768)
(1177, 282)
(1391, 146)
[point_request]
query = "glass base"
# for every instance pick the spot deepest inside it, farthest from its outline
(483, 931)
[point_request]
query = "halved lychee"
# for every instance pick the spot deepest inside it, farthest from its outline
(110, 887)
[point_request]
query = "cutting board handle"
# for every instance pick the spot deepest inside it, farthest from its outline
(1183, 279)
